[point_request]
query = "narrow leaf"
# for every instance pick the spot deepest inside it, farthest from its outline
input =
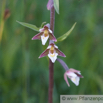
(56, 5)
(63, 37)
(33, 27)
(43, 24)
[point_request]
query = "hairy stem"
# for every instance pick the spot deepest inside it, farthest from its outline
(51, 65)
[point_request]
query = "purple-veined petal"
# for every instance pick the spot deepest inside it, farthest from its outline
(44, 39)
(45, 53)
(65, 78)
(38, 36)
(53, 57)
(52, 37)
(79, 75)
(60, 53)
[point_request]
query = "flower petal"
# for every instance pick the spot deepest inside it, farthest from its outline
(41, 30)
(47, 26)
(45, 53)
(38, 36)
(73, 70)
(71, 74)
(60, 53)
(75, 80)
(77, 72)
(65, 78)
(79, 75)
(52, 37)
(55, 46)
(53, 56)
(44, 39)
(49, 47)
(50, 31)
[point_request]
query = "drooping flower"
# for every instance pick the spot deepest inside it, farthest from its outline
(52, 51)
(73, 75)
(44, 34)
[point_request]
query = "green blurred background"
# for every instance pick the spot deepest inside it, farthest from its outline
(24, 77)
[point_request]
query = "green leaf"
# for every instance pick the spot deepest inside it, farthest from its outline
(33, 27)
(56, 5)
(42, 25)
(63, 37)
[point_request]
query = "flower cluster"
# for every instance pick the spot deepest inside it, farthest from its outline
(52, 50)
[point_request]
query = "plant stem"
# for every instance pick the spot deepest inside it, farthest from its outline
(63, 64)
(51, 65)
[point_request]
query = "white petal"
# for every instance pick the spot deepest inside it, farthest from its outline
(53, 56)
(78, 72)
(41, 30)
(71, 74)
(49, 47)
(55, 46)
(50, 31)
(75, 80)
(44, 39)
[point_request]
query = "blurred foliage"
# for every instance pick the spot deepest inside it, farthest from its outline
(24, 77)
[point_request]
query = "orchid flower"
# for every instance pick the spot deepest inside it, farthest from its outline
(52, 51)
(73, 75)
(44, 34)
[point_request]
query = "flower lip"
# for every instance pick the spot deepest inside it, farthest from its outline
(53, 57)
(52, 51)
(44, 39)
(73, 75)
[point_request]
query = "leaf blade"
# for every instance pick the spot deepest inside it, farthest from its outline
(31, 26)
(56, 5)
(63, 37)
